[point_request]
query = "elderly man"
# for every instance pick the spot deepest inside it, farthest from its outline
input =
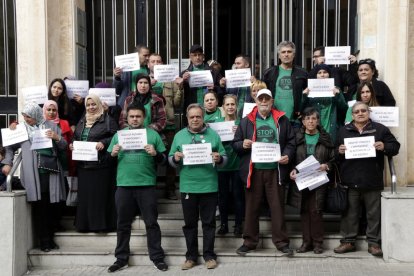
(136, 179)
(364, 179)
(198, 186)
(286, 81)
(269, 125)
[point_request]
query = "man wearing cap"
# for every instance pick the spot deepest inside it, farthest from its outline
(124, 82)
(196, 94)
(264, 124)
(286, 81)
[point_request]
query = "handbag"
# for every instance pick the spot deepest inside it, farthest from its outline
(72, 199)
(336, 200)
(47, 162)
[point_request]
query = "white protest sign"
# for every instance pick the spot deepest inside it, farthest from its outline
(360, 147)
(311, 179)
(40, 140)
(11, 137)
(200, 78)
(309, 164)
(84, 151)
(185, 62)
(351, 103)
(238, 78)
(37, 94)
(247, 108)
(79, 87)
(337, 55)
(265, 152)
(321, 88)
(107, 95)
(165, 73)
(196, 154)
(386, 115)
(128, 62)
(224, 130)
(132, 139)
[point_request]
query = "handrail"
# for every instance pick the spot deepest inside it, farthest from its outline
(393, 175)
(16, 164)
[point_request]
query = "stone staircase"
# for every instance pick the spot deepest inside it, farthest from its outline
(98, 249)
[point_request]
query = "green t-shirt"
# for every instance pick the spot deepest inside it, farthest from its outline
(240, 100)
(148, 115)
(266, 132)
(311, 141)
(324, 106)
(197, 178)
(284, 92)
(158, 88)
(85, 134)
(142, 70)
(233, 160)
(211, 117)
(137, 167)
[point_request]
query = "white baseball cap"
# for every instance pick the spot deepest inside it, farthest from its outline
(264, 91)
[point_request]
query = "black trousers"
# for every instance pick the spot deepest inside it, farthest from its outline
(230, 185)
(203, 206)
(127, 200)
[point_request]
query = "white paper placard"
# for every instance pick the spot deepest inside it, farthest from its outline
(351, 103)
(37, 94)
(40, 140)
(337, 55)
(247, 108)
(224, 130)
(360, 147)
(265, 152)
(311, 179)
(107, 95)
(185, 62)
(238, 78)
(84, 151)
(11, 137)
(319, 88)
(200, 78)
(79, 87)
(309, 164)
(166, 73)
(128, 62)
(386, 115)
(132, 139)
(196, 154)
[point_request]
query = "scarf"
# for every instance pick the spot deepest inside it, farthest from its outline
(33, 111)
(46, 105)
(91, 118)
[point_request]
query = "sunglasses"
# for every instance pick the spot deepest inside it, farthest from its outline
(367, 61)
(363, 110)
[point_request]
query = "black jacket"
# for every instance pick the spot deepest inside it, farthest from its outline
(299, 79)
(366, 173)
(324, 153)
(101, 131)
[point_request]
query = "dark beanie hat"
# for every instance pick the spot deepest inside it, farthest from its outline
(319, 67)
(103, 85)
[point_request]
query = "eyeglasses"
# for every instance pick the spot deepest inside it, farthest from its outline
(363, 110)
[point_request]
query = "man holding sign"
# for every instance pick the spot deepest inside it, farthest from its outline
(267, 125)
(364, 176)
(198, 183)
(136, 179)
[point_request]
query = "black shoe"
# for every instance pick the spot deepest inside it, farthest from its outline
(170, 194)
(238, 231)
(54, 246)
(224, 229)
(286, 250)
(161, 265)
(117, 266)
(243, 250)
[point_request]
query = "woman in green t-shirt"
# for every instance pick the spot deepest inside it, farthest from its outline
(228, 177)
(366, 94)
(213, 113)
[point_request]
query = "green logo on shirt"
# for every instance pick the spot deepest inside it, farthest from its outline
(285, 83)
(266, 134)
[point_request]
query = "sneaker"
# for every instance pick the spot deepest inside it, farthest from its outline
(243, 250)
(211, 264)
(286, 250)
(345, 247)
(375, 250)
(238, 231)
(117, 266)
(161, 265)
(188, 264)
(224, 229)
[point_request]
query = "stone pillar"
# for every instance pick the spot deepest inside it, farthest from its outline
(15, 233)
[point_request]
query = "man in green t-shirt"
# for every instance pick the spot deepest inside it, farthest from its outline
(136, 179)
(198, 186)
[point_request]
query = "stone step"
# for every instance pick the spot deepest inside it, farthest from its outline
(175, 239)
(104, 256)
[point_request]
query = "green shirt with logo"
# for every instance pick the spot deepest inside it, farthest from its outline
(212, 117)
(311, 141)
(266, 132)
(137, 167)
(283, 99)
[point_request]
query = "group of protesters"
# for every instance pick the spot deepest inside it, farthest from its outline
(283, 111)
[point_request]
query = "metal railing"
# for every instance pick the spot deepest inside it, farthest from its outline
(16, 164)
(393, 175)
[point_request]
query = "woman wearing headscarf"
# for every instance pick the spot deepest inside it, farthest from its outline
(96, 179)
(43, 181)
